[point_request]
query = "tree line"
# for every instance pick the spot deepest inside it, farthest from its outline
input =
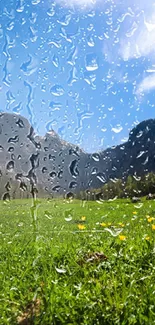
(122, 188)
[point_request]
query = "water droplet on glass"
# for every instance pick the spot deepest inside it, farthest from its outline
(101, 177)
(35, 2)
(48, 215)
(23, 186)
(73, 184)
(65, 20)
(91, 62)
(6, 197)
(96, 157)
(74, 168)
(60, 270)
(57, 90)
(114, 231)
(10, 166)
(20, 6)
(55, 61)
(117, 129)
(10, 26)
(51, 12)
(30, 66)
(56, 188)
(53, 174)
(90, 41)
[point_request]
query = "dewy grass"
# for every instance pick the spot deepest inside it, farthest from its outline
(91, 274)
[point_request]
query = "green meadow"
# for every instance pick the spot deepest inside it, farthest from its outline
(74, 262)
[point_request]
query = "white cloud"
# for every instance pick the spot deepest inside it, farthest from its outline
(138, 40)
(141, 44)
(147, 84)
(82, 4)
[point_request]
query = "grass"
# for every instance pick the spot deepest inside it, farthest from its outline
(89, 263)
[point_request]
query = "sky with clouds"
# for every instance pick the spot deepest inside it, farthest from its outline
(85, 68)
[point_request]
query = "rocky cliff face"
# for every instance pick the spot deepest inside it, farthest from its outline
(56, 167)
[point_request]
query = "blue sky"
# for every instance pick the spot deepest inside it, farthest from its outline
(84, 68)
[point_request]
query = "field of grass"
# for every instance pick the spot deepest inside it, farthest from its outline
(80, 263)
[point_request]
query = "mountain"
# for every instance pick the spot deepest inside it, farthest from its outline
(57, 167)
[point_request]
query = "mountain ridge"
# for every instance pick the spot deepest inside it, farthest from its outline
(57, 167)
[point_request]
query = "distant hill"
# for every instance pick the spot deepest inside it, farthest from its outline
(57, 167)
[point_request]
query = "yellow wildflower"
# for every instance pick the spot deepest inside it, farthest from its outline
(121, 224)
(109, 223)
(81, 227)
(122, 237)
(103, 224)
(150, 219)
(134, 212)
(83, 218)
(147, 216)
(153, 227)
(147, 238)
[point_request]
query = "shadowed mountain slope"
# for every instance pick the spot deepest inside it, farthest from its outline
(56, 167)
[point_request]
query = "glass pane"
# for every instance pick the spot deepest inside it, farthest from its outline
(77, 172)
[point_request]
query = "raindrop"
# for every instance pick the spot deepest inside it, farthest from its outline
(96, 157)
(33, 34)
(44, 170)
(69, 196)
(101, 177)
(10, 166)
(8, 187)
(68, 219)
(55, 61)
(10, 26)
(34, 160)
(104, 129)
(60, 174)
(56, 188)
(53, 174)
(15, 139)
(29, 67)
(60, 270)
(51, 157)
(18, 177)
(17, 108)
(6, 197)
(48, 215)
(140, 154)
(114, 232)
(1, 32)
(139, 134)
(90, 41)
(73, 168)
(57, 90)
(146, 161)
(23, 186)
(117, 129)
(33, 18)
(91, 62)
(51, 12)
(20, 123)
(35, 2)
(20, 6)
(73, 184)
(94, 171)
(65, 20)
(55, 106)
